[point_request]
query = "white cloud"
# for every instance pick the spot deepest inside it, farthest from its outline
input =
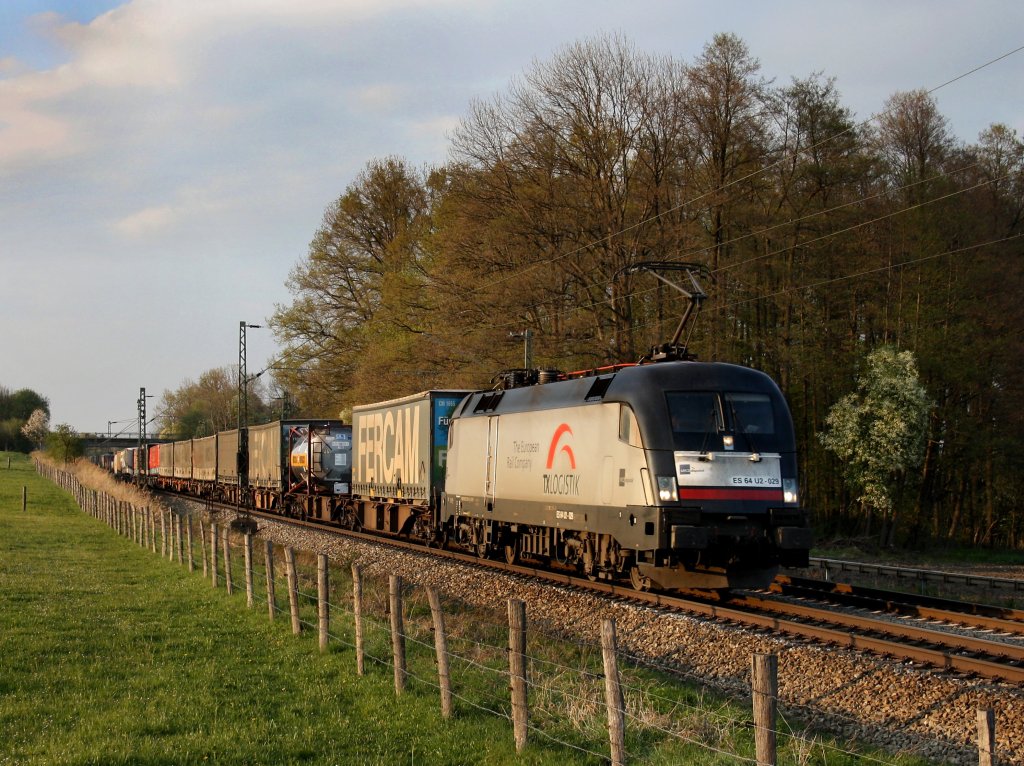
(380, 97)
(433, 132)
(26, 133)
(155, 46)
(10, 66)
(147, 221)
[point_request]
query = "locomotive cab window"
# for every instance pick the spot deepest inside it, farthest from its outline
(750, 413)
(629, 431)
(696, 419)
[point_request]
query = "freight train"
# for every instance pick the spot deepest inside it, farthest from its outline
(670, 474)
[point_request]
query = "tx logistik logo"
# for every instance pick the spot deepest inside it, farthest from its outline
(561, 483)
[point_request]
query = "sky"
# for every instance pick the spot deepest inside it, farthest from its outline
(164, 164)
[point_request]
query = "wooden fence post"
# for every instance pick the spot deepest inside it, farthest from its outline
(357, 613)
(152, 528)
(249, 600)
(202, 545)
(188, 538)
(293, 589)
(213, 553)
(397, 631)
(180, 523)
(24, 498)
(163, 535)
(323, 601)
(444, 680)
(225, 537)
(613, 694)
(517, 669)
(986, 737)
(171, 541)
(764, 688)
(268, 557)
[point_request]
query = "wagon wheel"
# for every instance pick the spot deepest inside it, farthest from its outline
(638, 581)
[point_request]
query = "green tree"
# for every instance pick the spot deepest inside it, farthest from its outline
(879, 431)
(10, 433)
(15, 409)
(21, 403)
(64, 444)
(358, 296)
(210, 404)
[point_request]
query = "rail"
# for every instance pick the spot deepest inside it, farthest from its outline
(832, 567)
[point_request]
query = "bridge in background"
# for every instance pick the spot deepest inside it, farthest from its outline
(100, 444)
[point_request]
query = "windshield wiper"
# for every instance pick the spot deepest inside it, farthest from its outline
(755, 456)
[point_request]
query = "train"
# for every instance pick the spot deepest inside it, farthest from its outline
(668, 474)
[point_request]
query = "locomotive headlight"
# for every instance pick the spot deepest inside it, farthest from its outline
(667, 489)
(789, 491)
(728, 441)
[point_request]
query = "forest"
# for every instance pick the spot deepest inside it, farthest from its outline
(825, 237)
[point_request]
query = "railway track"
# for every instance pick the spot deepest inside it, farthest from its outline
(832, 568)
(931, 608)
(951, 651)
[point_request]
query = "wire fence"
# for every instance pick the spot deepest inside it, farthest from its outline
(595, 700)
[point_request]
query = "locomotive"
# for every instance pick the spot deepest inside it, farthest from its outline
(675, 474)
(669, 473)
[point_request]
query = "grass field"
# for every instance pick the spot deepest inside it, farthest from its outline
(112, 655)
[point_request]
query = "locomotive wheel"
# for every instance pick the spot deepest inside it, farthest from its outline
(481, 550)
(439, 539)
(638, 581)
(512, 551)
